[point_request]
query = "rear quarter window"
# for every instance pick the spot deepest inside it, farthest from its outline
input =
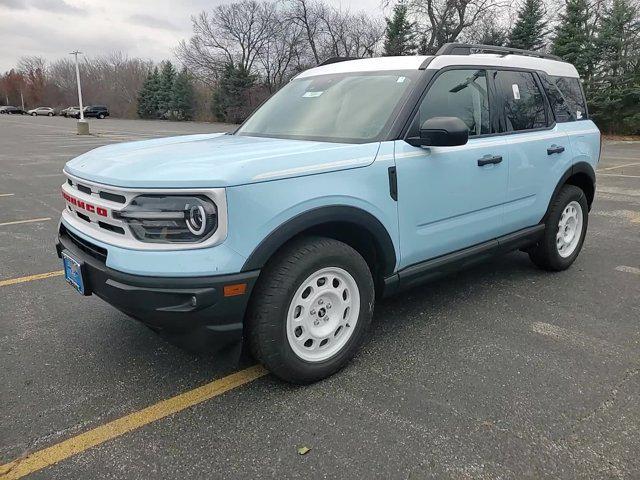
(566, 98)
(522, 101)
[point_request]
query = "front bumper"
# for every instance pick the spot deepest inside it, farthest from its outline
(170, 304)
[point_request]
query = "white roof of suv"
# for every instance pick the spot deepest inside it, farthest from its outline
(550, 66)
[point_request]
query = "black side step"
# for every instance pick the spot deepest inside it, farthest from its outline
(436, 267)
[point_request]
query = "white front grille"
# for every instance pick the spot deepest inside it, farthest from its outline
(90, 208)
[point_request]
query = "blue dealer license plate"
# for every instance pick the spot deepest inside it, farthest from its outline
(73, 272)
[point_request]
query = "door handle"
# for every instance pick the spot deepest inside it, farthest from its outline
(488, 159)
(554, 149)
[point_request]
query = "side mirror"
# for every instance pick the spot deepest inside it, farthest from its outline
(441, 132)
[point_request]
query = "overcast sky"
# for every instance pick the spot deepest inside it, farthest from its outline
(140, 28)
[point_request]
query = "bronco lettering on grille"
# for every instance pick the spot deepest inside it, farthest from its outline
(84, 205)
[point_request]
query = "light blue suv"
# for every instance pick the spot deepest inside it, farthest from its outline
(356, 180)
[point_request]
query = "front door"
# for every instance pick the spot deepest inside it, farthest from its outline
(450, 198)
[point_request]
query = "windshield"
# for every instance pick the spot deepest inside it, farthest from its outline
(347, 107)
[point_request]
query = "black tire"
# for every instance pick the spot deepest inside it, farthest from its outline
(545, 254)
(101, 116)
(34, 114)
(50, 114)
(266, 320)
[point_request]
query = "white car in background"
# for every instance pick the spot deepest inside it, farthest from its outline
(50, 112)
(69, 111)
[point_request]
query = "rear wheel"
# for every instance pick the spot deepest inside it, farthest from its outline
(34, 114)
(564, 232)
(311, 309)
(101, 116)
(50, 114)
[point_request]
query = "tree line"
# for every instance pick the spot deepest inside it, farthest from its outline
(601, 38)
(113, 80)
(241, 52)
(166, 94)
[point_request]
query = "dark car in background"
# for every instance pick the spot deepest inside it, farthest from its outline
(10, 110)
(96, 111)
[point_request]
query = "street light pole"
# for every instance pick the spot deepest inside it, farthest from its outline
(83, 125)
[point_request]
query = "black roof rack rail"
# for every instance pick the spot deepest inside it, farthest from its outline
(331, 60)
(471, 48)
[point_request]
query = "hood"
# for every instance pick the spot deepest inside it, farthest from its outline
(214, 160)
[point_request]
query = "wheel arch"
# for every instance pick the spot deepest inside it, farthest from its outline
(583, 176)
(351, 225)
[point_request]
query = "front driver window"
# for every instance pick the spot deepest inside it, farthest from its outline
(458, 93)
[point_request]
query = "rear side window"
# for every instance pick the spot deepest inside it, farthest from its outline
(458, 93)
(523, 103)
(566, 98)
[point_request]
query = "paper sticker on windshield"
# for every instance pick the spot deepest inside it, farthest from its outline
(579, 115)
(312, 94)
(516, 91)
(400, 79)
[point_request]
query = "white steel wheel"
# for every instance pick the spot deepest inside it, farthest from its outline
(569, 229)
(323, 314)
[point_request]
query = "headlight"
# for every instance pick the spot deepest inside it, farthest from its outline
(171, 218)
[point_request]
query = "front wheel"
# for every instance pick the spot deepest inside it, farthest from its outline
(34, 114)
(564, 232)
(101, 116)
(50, 114)
(311, 309)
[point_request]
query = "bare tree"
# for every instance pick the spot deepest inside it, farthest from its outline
(234, 33)
(444, 20)
(281, 55)
(333, 32)
(367, 34)
(33, 70)
(309, 14)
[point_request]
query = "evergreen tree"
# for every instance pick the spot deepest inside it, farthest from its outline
(165, 88)
(616, 93)
(400, 33)
(530, 28)
(492, 35)
(230, 98)
(573, 40)
(182, 96)
(147, 96)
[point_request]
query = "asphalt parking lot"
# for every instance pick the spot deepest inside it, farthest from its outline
(502, 371)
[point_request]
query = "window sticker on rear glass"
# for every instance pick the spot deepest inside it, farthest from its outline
(579, 115)
(312, 94)
(516, 91)
(400, 79)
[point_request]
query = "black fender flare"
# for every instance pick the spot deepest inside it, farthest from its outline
(580, 167)
(322, 215)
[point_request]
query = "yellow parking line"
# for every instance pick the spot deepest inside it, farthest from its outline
(31, 220)
(618, 166)
(49, 456)
(30, 278)
(627, 269)
(7, 194)
(617, 175)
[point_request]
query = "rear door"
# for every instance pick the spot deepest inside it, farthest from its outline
(539, 150)
(449, 198)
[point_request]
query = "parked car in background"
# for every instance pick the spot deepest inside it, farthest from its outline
(96, 111)
(50, 112)
(69, 111)
(10, 110)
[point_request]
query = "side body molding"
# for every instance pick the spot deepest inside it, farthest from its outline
(317, 217)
